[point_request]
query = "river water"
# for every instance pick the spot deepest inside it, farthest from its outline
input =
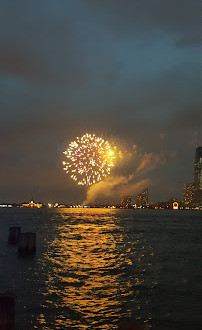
(94, 266)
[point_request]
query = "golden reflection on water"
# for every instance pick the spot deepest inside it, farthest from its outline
(86, 256)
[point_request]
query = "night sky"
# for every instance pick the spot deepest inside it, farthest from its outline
(125, 70)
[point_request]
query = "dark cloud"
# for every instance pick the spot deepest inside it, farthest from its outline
(188, 118)
(16, 61)
(189, 41)
(178, 17)
(37, 42)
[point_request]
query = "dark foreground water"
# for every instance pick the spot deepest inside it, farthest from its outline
(94, 266)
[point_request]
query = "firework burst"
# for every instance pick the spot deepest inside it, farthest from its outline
(89, 159)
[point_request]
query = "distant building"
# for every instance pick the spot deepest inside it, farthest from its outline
(170, 203)
(158, 205)
(32, 204)
(142, 199)
(188, 194)
(175, 205)
(198, 177)
(6, 205)
(126, 202)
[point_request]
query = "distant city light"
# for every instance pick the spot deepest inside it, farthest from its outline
(175, 206)
(5, 205)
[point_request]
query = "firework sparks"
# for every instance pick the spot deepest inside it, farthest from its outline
(89, 159)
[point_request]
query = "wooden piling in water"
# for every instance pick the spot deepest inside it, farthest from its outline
(14, 233)
(7, 312)
(27, 243)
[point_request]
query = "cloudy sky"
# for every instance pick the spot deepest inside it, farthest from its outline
(127, 70)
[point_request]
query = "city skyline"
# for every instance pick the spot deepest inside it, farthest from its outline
(125, 71)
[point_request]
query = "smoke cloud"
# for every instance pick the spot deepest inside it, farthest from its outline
(113, 188)
(150, 162)
(137, 166)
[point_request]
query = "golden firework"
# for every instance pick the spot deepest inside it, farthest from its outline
(89, 159)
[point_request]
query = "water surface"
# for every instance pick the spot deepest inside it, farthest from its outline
(94, 266)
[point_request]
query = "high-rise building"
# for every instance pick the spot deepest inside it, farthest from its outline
(188, 194)
(126, 202)
(198, 177)
(142, 199)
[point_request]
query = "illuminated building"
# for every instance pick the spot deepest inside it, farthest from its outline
(142, 199)
(171, 203)
(188, 194)
(32, 204)
(175, 206)
(126, 202)
(198, 177)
